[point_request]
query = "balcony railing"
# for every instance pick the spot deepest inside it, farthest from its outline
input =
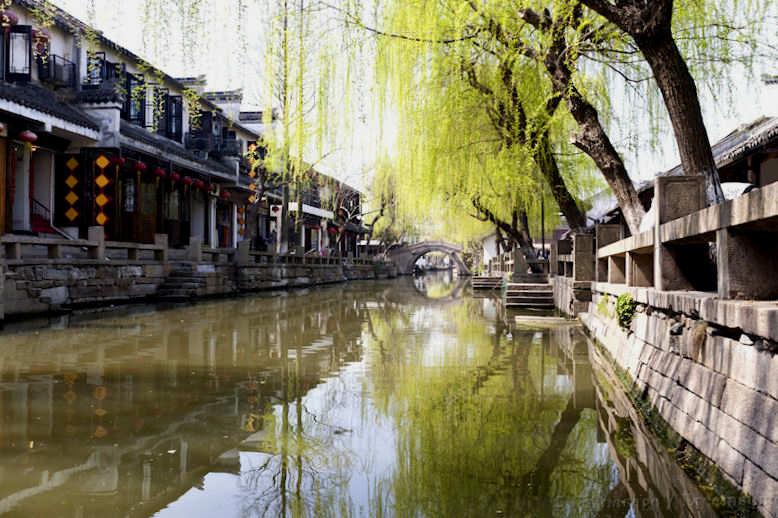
(57, 70)
(229, 147)
(199, 141)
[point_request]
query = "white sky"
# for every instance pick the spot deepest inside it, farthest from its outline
(230, 60)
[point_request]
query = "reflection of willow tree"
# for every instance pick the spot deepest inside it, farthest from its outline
(300, 448)
(475, 438)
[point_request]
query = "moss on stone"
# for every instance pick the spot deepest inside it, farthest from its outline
(726, 498)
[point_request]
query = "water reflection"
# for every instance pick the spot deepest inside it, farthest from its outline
(364, 399)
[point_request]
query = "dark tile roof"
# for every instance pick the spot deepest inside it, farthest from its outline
(167, 146)
(46, 101)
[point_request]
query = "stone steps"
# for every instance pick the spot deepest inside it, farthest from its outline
(483, 282)
(529, 295)
(182, 283)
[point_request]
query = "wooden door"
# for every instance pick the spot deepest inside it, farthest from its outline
(147, 215)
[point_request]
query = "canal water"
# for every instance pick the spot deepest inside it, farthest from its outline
(411, 397)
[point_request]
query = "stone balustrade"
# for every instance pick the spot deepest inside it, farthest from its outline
(49, 274)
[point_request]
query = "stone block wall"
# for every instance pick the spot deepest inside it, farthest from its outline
(571, 297)
(49, 286)
(716, 387)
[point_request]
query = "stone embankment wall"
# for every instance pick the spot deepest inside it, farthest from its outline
(701, 348)
(713, 383)
(49, 286)
(41, 288)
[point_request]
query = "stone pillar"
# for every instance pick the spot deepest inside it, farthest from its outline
(194, 252)
(160, 240)
(674, 197)
(583, 257)
(213, 236)
(746, 264)
(553, 259)
(97, 235)
(243, 257)
(603, 236)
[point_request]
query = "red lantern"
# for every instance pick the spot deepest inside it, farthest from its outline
(187, 180)
(159, 172)
(332, 230)
(140, 166)
(117, 160)
(225, 195)
(28, 136)
(174, 176)
(8, 18)
(199, 184)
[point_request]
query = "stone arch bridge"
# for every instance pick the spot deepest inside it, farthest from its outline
(405, 257)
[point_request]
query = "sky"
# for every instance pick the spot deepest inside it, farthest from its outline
(233, 58)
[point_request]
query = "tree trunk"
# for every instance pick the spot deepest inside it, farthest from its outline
(650, 25)
(547, 164)
(594, 141)
(679, 92)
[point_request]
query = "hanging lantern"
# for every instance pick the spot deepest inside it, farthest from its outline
(187, 180)
(117, 160)
(159, 172)
(224, 195)
(28, 137)
(174, 177)
(140, 166)
(8, 18)
(199, 184)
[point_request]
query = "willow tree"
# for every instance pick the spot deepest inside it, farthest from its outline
(558, 35)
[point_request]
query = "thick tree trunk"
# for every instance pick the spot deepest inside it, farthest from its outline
(594, 141)
(679, 92)
(549, 168)
(650, 25)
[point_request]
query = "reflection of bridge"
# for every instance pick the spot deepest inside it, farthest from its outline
(405, 257)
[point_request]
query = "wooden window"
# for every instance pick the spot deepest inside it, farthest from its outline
(174, 114)
(95, 67)
(19, 54)
(135, 100)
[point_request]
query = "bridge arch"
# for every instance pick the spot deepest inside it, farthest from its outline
(405, 256)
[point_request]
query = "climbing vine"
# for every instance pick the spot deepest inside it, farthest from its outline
(625, 309)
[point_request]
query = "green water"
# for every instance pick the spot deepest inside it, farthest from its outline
(398, 398)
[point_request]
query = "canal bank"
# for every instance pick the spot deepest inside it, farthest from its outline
(49, 275)
(687, 311)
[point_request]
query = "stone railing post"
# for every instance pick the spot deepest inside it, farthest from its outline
(604, 235)
(553, 258)
(242, 257)
(97, 234)
(674, 197)
(194, 251)
(160, 240)
(583, 257)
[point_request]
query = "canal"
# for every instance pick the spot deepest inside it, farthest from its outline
(411, 397)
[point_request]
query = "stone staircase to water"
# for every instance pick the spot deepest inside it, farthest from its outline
(182, 283)
(486, 282)
(529, 295)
